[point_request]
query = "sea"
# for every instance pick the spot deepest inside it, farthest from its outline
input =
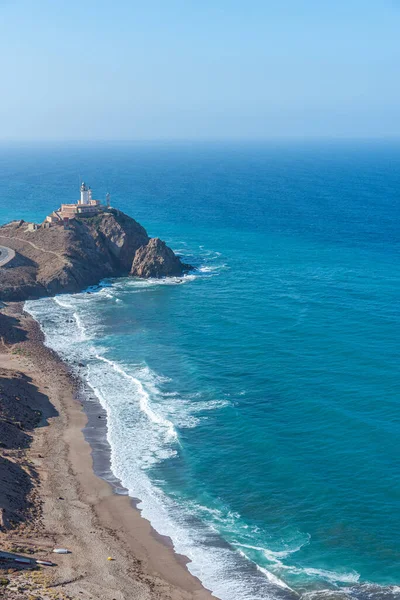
(253, 404)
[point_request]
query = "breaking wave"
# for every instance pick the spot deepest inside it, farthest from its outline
(143, 431)
(146, 419)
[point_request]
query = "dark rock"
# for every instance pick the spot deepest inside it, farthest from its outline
(155, 259)
(56, 260)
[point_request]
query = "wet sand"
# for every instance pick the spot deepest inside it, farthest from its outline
(73, 508)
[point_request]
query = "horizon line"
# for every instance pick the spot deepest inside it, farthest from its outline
(199, 140)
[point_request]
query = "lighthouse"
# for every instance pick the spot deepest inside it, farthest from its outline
(84, 194)
(85, 207)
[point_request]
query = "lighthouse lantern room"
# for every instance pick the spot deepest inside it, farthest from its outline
(85, 193)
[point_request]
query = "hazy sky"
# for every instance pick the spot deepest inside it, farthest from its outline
(157, 69)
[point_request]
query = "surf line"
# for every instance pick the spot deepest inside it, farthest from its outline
(144, 399)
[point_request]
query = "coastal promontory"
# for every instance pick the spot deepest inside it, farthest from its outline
(67, 258)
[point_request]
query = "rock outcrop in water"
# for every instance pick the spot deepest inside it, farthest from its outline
(155, 259)
(54, 260)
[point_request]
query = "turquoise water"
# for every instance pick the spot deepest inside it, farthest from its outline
(253, 406)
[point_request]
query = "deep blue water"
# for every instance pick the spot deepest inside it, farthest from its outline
(253, 406)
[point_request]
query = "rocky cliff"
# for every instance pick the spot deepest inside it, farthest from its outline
(155, 259)
(55, 260)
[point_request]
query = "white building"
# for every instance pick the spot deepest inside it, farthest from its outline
(85, 191)
(85, 207)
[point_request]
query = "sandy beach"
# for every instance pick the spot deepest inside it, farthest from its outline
(60, 502)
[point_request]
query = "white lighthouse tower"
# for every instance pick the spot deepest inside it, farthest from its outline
(84, 194)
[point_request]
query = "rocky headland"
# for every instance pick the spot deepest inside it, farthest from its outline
(55, 260)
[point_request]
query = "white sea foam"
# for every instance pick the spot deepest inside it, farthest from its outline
(140, 435)
(206, 269)
(210, 270)
(152, 282)
(142, 429)
(324, 593)
(276, 557)
(274, 579)
(209, 254)
(270, 576)
(144, 400)
(333, 576)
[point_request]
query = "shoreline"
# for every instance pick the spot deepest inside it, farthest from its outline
(82, 508)
(95, 434)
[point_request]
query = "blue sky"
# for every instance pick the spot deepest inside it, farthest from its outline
(199, 69)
